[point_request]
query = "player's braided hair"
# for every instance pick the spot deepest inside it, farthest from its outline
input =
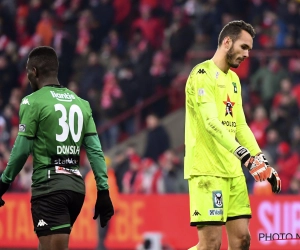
(233, 30)
(45, 60)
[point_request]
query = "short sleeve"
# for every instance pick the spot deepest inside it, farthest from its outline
(204, 86)
(29, 115)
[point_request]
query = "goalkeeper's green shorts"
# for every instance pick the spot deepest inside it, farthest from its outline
(216, 200)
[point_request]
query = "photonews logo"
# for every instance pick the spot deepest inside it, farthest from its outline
(278, 236)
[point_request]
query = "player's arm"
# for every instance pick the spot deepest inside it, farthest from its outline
(243, 133)
(257, 165)
(96, 158)
(23, 144)
(19, 154)
(91, 142)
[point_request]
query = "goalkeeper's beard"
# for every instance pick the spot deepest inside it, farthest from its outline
(231, 57)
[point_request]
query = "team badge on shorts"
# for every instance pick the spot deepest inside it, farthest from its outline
(217, 199)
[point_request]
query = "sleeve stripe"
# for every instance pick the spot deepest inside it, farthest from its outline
(89, 134)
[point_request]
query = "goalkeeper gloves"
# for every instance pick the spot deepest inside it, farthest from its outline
(3, 188)
(259, 168)
(103, 207)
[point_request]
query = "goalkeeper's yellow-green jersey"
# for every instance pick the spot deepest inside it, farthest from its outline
(215, 123)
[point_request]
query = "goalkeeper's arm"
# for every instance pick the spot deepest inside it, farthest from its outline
(259, 170)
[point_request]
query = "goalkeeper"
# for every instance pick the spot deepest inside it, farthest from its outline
(54, 124)
(217, 141)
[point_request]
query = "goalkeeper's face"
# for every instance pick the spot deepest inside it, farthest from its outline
(239, 50)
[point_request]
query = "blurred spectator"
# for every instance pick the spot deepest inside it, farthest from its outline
(295, 184)
(170, 177)
(259, 124)
(44, 28)
(273, 140)
(151, 27)
(112, 102)
(156, 82)
(286, 165)
(295, 138)
(180, 35)
(158, 140)
(132, 179)
(121, 163)
(103, 17)
(266, 81)
(284, 115)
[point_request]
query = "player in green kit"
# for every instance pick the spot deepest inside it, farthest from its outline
(54, 123)
(217, 141)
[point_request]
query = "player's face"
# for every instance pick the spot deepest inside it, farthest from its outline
(239, 50)
(31, 75)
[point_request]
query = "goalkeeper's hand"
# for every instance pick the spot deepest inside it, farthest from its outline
(274, 180)
(255, 164)
(259, 168)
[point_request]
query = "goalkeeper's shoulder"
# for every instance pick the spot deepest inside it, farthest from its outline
(202, 71)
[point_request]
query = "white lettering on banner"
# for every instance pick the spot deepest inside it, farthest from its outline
(277, 217)
(68, 150)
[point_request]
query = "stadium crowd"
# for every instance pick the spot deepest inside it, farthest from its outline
(117, 54)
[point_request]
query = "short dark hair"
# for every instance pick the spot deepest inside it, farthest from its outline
(44, 58)
(233, 30)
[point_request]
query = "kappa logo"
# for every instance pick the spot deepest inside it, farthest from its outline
(25, 101)
(196, 213)
(41, 223)
(201, 71)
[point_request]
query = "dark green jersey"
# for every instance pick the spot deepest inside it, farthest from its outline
(57, 120)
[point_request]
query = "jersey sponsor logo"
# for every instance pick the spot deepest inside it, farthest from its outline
(213, 212)
(229, 123)
(25, 101)
(65, 160)
(221, 86)
(63, 170)
(22, 127)
(201, 92)
(234, 87)
(64, 97)
(229, 105)
(201, 71)
(217, 199)
(41, 223)
(67, 150)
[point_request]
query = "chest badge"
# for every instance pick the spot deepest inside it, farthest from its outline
(229, 105)
(234, 87)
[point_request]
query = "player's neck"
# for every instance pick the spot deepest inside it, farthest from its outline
(49, 81)
(220, 61)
